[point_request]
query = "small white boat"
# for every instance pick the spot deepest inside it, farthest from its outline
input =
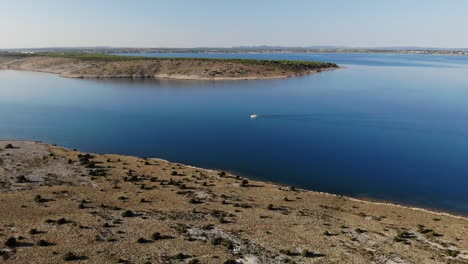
(253, 116)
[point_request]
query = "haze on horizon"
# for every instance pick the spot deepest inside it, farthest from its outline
(211, 23)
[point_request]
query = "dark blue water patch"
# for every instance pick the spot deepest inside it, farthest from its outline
(389, 133)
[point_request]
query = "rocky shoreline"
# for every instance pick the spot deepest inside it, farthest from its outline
(59, 204)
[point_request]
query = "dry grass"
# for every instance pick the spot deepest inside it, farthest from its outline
(198, 215)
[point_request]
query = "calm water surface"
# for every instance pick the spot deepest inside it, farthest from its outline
(387, 127)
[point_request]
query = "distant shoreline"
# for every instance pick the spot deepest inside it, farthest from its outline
(109, 66)
(249, 49)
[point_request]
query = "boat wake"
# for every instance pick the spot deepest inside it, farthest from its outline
(456, 127)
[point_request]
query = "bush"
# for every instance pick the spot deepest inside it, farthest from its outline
(156, 236)
(452, 253)
(70, 257)
(360, 231)
(21, 179)
(42, 243)
(128, 213)
(61, 221)
(245, 183)
(180, 256)
(11, 242)
(216, 241)
(33, 231)
(305, 253)
(286, 252)
(9, 146)
(270, 207)
(39, 199)
(141, 240)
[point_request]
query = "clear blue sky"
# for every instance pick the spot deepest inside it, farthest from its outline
(219, 23)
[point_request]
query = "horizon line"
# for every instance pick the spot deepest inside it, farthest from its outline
(407, 47)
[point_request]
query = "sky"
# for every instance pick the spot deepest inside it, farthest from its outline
(218, 23)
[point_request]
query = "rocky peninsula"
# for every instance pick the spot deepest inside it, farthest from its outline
(111, 66)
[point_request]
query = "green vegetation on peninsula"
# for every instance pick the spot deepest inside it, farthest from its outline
(83, 65)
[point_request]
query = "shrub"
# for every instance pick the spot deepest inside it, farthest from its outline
(222, 220)
(128, 213)
(9, 146)
(216, 241)
(230, 261)
(452, 253)
(42, 243)
(21, 179)
(141, 240)
(270, 207)
(423, 230)
(61, 221)
(39, 199)
(286, 252)
(360, 231)
(33, 231)
(174, 173)
(11, 242)
(111, 239)
(245, 183)
(70, 257)
(305, 253)
(180, 256)
(156, 236)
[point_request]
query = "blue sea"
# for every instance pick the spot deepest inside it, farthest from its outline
(388, 127)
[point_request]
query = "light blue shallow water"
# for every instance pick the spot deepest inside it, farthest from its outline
(388, 127)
